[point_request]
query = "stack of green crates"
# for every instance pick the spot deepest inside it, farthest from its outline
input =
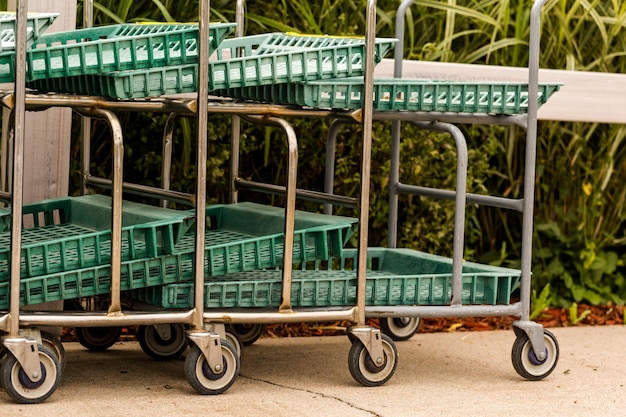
(394, 277)
(66, 250)
(250, 60)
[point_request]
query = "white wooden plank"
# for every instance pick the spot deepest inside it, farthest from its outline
(584, 96)
(48, 133)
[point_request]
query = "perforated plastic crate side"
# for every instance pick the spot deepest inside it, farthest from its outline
(399, 95)
(93, 281)
(117, 48)
(395, 277)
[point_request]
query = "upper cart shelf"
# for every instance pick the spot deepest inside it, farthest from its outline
(247, 61)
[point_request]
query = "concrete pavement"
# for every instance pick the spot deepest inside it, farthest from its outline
(439, 374)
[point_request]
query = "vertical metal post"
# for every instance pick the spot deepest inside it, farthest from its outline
(85, 121)
(396, 126)
(236, 120)
(531, 157)
(366, 159)
(19, 113)
(203, 120)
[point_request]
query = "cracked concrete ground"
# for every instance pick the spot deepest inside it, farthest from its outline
(441, 374)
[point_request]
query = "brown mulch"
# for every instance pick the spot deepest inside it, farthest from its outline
(550, 317)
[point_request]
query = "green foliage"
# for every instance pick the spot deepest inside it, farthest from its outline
(579, 235)
(541, 302)
(574, 316)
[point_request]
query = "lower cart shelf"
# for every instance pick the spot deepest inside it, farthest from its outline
(239, 237)
(74, 232)
(395, 277)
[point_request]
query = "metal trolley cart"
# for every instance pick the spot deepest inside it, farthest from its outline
(437, 105)
(152, 255)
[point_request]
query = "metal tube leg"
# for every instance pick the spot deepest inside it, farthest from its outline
(115, 308)
(460, 198)
(290, 205)
(329, 169)
(394, 180)
(166, 165)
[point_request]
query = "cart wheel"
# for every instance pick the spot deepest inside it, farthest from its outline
(363, 368)
(98, 338)
(400, 328)
(233, 339)
(526, 363)
(201, 377)
(159, 348)
(55, 346)
(248, 333)
(19, 387)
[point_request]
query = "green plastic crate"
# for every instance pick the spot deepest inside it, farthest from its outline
(36, 25)
(394, 277)
(399, 94)
(239, 237)
(279, 58)
(7, 67)
(153, 82)
(117, 48)
(73, 233)
(89, 282)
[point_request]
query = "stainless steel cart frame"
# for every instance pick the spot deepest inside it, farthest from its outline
(205, 329)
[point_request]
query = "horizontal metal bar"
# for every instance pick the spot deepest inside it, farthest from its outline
(5, 196)
(102, 319)
(456, 118)
(39, 101)
(268, 110)
(514, 309)
(309, 195)
(264, 316)
(145, 190)
(486, 200)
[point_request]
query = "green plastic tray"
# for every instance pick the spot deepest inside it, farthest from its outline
(129, 84)
(279, 58)
(268, 58)
(7, 67)
(399, 94)
(118, 47)
(36, 25)
(394, 277)
(73, 233)
(94, 281)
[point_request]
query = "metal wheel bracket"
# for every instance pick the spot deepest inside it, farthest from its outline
(534, 331)
(211, 346)
(30, 333)
(217, 328)
(163, 330)
(372, 341)
(27, 354)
